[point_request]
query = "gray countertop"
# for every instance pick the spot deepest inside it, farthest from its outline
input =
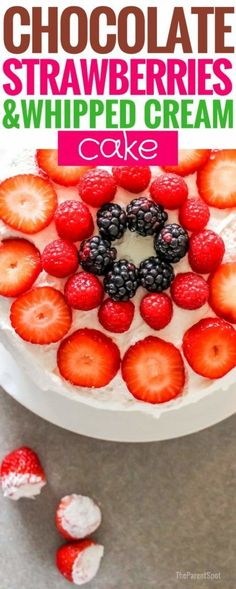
(168, 508)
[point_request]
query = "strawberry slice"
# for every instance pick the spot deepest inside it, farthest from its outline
(217, 180)
(41, 316)
(47, 160)
(20, 264)
(223, 291)
(189, 161)
(210, 347)
(27, 203)
(88, 358)
(153, 370)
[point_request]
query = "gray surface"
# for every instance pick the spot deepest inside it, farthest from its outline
(167, 506)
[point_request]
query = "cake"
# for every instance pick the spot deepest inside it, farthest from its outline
(168, 264)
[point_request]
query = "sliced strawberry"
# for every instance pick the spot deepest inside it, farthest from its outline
(47, 160)
(20, 264)
(217, 180)
(223, 291)
(27, 203)
(153, 370)
(41, 316)
(210, 347)
(189, 161)
(88, 358)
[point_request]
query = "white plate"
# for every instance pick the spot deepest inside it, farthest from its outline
(116, 426)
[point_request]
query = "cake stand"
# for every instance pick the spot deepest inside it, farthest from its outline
(119, 426)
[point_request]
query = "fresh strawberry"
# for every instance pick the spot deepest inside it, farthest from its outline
(223, 291)
(27, 203)
(73, 221)
(47, 160)
(88, 358)
(153, 370)
(135, 179)
(194, 214)
(189, 161)
(60, 258)
(84, 291)
(116, 316)
(169, 190)
(156, 309)
(41, 316)
(206, 251)
(210, 347)
(20, 264)
(22, 474)
(79, 562)
(189, 291)
(77, 516)
(217, 180)
(97, 187)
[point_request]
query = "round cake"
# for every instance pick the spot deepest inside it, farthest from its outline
(118, 285)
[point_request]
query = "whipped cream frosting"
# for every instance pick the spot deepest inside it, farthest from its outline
(15, 486)
(40, 362)
(86, 565)
(79, 515)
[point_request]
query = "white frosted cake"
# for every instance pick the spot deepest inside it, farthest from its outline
(40, 361)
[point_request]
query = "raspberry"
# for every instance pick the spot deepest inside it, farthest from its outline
(97, 187)
(116, 316)
(156, 310)
(83, 291)
(73, 221)
(169, 190)
(60, 258)
(206, 251)
(194, 214)
(134, 179)
(189, 291)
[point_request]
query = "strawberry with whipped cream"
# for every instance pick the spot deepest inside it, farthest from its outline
(77, 517)
(22, 474)
(79, 562)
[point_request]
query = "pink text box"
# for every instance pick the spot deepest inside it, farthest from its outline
(117, 148)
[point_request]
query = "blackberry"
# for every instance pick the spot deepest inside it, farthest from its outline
(111, 221)
(96, 255)
(155, 274)
(145, 217)
(172, 243)
(122, 281)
